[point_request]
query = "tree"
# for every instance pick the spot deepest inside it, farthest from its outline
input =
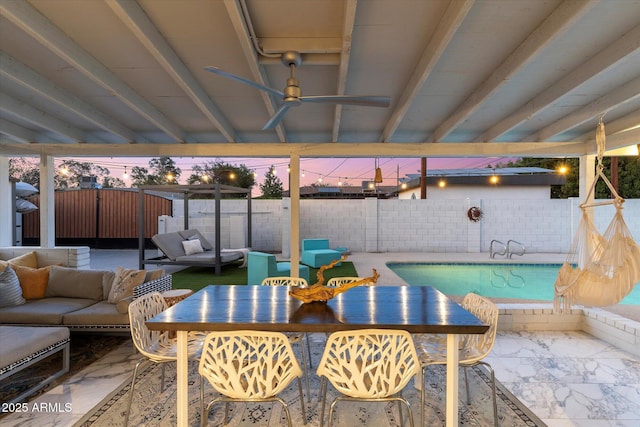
(69, 174)
(272, 186)
(628, 176)
(222, 173)
(163, 171)
(25, 170)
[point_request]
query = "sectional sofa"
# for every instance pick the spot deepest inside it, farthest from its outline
(81, 300)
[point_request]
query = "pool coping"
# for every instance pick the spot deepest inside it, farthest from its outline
(612, 328)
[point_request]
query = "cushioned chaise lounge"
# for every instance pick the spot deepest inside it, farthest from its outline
(190, 247)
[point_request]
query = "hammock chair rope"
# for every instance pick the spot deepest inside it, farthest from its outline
(601, 269)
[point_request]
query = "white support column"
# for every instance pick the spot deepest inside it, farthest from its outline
(587, 175)
(294, 211)
(371, 224)
(47, 203)
(285, 227)
(7, 206)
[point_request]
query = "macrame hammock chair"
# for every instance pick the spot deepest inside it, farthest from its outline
(601, 269)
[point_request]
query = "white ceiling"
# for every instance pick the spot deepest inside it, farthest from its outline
(466, 78)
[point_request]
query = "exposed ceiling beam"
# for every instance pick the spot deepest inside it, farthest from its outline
(36, 83)
(601, 62)
(16, 132)
(444, 32)
(40, 118)
(364, 149)
(244, 37)
(343, 69)
(305, 45)
(33, 23)
(617, 97)
(620, 140)
(132, 15)
(551, 28)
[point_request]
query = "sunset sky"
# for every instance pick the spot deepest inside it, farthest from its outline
(350, 171)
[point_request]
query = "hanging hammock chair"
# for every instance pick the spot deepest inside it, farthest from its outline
(601, 269)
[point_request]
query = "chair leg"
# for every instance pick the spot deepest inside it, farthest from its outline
(422, 396)
(162, 379)
(466, 385)
(306, 369)
(133, 383)
(493, 389)
(309, 351)
(323, 394)
(304, 411)
(201, 395)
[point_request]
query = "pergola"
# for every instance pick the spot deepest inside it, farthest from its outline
(186, 192)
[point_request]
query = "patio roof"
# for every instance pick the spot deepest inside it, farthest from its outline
(465, 78)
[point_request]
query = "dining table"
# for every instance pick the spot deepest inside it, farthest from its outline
(416, 309)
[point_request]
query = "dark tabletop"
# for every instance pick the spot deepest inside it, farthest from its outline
(417, 309)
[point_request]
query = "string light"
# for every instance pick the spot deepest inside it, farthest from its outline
(125, 175)
(442, 183)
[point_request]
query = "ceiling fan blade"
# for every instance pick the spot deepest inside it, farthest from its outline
(251, 83)
(370, 101)
(277, 117)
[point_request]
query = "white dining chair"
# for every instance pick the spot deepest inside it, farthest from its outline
(156, 346)
(473, 347)
(339, 281)
(295, 337)
(372, 365)
(249, 366)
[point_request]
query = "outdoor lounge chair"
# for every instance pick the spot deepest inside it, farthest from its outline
(262, 265)
(316, 253)
(189, 247)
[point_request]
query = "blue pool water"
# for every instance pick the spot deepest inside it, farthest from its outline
(522, 281)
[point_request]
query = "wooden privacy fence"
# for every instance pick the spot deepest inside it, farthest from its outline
(98, 214)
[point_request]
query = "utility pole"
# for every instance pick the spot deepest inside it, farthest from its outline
(423, 178)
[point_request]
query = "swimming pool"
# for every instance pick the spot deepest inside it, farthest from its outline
(521, 281)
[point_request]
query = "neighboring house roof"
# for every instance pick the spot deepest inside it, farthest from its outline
(507, 176)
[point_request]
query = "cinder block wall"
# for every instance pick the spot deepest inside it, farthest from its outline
(372, 225)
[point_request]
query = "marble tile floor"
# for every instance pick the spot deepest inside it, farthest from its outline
(565, 378)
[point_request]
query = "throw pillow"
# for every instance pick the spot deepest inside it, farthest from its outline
(10, 290)
(192, 247)
(27, 260)
(124, 282)
(33, 281)
(153, 274)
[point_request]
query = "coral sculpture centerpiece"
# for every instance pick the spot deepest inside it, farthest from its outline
(320, 293)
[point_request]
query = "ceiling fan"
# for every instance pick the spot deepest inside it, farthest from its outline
(292, 95)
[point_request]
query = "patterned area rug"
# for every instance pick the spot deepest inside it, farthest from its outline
(85, 349)
(153, 407)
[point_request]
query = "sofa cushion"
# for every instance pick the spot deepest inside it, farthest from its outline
(10, 290)
(124, 282)
(29, 259)
(74, 283)
(46, 311)
(22, 342)
(192, 247)
(100, 313)
(153, 274)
